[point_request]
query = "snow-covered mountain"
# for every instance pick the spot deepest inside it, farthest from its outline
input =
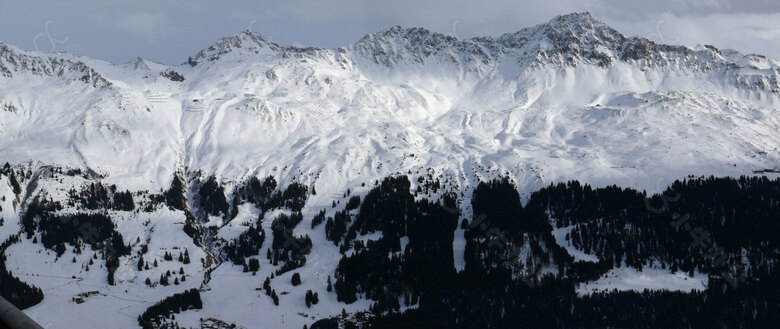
(569, 99)
(569, 91)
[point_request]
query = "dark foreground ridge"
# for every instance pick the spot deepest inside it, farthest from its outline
(13, 318)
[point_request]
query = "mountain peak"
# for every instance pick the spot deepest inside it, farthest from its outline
(577, 37)
(413, 45)
(569, 18)
(245, 41)
(579, 23)
(399, 31)
(399, 35)
(7, 48)
(14, 60)
(566, 39)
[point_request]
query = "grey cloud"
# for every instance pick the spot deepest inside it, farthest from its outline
(145, 24)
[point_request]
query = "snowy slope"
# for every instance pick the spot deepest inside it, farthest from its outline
(569, 99)
(533, 103)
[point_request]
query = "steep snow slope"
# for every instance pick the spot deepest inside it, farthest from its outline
(569, 99)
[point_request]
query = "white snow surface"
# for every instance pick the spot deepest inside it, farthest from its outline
(569, 99)
(560, 237)
(628, 278)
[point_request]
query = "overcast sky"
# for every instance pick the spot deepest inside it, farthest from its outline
(170, 31)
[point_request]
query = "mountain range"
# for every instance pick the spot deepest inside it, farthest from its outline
(194, 145)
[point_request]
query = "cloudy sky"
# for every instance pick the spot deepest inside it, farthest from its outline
(170, 31)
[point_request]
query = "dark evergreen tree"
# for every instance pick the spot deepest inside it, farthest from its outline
(254, 265)
(296, 279)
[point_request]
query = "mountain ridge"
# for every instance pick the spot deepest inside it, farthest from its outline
(392, 78)
(564, 41)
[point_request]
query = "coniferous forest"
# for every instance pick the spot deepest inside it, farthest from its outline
(516, 275)
(17, 292)
(511, 272)
(156, 316)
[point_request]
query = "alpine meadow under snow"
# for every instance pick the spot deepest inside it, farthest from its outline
(253, 151)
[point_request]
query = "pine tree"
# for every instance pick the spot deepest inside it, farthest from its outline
(254, 265)
(311, 298)
(267, 285)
